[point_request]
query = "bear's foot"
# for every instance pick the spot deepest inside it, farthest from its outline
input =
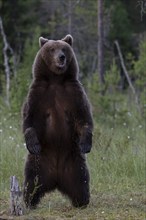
(80, 204)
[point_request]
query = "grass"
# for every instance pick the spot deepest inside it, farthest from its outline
(117, 170)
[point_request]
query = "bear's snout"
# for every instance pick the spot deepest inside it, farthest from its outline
(61, 60)
(61, 57)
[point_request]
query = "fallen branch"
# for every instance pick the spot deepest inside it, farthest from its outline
(127, 75)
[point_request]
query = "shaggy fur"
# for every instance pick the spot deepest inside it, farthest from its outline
(57, 126)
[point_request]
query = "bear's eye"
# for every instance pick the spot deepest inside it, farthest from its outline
(63, 49)
(52, 50)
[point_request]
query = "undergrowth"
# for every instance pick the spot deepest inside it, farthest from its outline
(116, 164)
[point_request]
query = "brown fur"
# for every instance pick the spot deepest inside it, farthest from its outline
(57, 126)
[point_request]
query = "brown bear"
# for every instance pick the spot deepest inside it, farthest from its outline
(57, 126)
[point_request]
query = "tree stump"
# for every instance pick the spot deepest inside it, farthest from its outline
(16, 206)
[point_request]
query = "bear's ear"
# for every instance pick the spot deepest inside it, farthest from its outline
(42, 41)
(68, 39)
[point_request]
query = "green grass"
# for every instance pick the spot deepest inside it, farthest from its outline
(117, 170)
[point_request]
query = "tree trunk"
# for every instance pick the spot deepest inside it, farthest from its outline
(6, 48)
(100, 42)
(70, 16)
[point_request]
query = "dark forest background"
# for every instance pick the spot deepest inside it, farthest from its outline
(123, 21)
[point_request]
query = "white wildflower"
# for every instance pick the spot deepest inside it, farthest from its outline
(129, 114)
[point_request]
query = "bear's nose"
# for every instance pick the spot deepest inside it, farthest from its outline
(62, 57)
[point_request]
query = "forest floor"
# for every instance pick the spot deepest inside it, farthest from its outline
(117, 172)
(103, 206)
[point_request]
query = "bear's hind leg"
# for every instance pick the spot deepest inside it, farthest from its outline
(33, 191)
(80, 188)
(34, 188)
(38, 180)
(75, 182)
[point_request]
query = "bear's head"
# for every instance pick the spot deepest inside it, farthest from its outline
(56, 57)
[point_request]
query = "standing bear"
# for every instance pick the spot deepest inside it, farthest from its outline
(57, 126)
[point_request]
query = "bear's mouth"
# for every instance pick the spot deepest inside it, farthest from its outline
(61, 65)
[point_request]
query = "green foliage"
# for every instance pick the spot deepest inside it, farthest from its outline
(19, 21)
(20, 84)
(54, 19)
(140, 66)
(107, 107)
(120, 25)
(112, 77)
(140, 76)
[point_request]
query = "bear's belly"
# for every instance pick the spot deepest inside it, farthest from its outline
(58, 128)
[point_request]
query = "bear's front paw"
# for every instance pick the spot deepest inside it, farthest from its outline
(32, 142)
(85, 143)
(85, 148)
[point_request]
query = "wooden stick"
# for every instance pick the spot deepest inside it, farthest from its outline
(16, 207)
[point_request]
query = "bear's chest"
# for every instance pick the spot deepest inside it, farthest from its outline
(57, 101)
(56, 110)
